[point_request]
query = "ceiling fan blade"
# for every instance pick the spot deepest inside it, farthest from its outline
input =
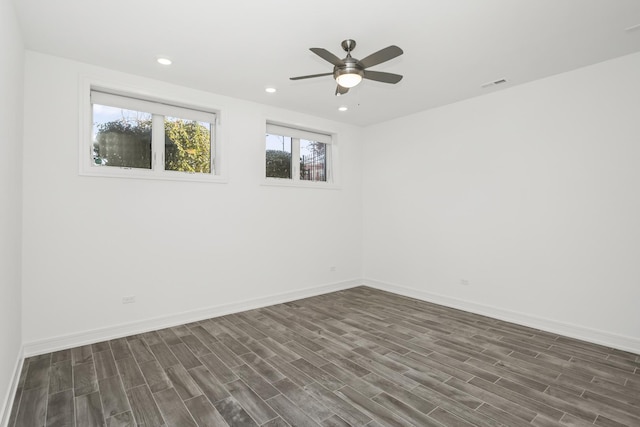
(327, 56)
(381, 56)
(310, 76)
(383, 77)
(341, 90)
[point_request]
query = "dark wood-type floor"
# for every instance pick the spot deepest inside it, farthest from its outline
(359, 357)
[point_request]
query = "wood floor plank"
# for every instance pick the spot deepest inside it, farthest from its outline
(60, 356)
(185, 356)
(38, 374)
(124, 419)
(130, 372)
(210, 386)
(250, 401)
(120, 348)
(233, 413)
(89, 410)
(113, 396)
(169, 337)
(276, 422)
(225, 354)
(196, 346)
(155, 376)
(405, 411)
(105, 364)
(448, 419)
(173, 409)
(152, 338)
(291, 372)
(84, 379)
(503, 417)
(258, 383)
(402, 394)
(81, 354)
(335, 421)
(290, 412)
(144, 408)
(182, 382)
(204, 413)
(263, 368)
(280, 349)
(100, 346)
(163, 354)
(339, 406)
(33, 407)
(218, 368)
(320, 376)
(140, 350)
(368, 406)
(60, 377)
(352, 380)
(303, 400)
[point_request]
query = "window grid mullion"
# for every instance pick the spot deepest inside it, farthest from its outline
(295, 159)
(157, 142)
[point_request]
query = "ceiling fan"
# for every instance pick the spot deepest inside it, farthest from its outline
(350, 71)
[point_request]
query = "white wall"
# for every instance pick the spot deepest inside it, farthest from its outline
(176, 246)
(532, 194)
(11, 85)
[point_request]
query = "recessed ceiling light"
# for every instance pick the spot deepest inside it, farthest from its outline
(164, 61)
(343, 108)
(270, 90)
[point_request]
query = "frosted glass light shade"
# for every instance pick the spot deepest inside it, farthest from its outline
(349, 80)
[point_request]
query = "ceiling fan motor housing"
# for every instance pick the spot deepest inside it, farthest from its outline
(351, 66)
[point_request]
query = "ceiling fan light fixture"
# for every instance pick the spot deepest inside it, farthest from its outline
(349, 80)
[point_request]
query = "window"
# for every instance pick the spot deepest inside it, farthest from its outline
(140, 138)
(297, 155)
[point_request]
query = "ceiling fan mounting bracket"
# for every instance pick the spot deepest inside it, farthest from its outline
(348, 45)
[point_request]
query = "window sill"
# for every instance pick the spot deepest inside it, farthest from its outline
(165, 176)
(278, 182)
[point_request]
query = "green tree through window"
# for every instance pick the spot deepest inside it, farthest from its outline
(127, 143)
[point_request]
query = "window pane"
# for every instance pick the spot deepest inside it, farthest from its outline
(313, 161)
(187, 145)
(278, 156)
(121, 137)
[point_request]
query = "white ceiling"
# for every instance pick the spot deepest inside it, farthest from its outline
(237, 48)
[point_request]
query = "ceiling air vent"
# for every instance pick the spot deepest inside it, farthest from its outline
(632, 28)
(493, 83)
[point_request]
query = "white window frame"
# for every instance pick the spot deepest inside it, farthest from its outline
(118, 96)
(296, 133)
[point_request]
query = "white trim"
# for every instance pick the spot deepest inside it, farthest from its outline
(283, 182)
(595, 336)
(5, 410)
(101, 334)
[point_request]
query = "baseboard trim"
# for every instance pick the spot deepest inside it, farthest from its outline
(595, 336)
(7, 405)
(102, 334)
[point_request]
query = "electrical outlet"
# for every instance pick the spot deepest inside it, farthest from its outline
(464, 282)
(129, 299)
(332, 268)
